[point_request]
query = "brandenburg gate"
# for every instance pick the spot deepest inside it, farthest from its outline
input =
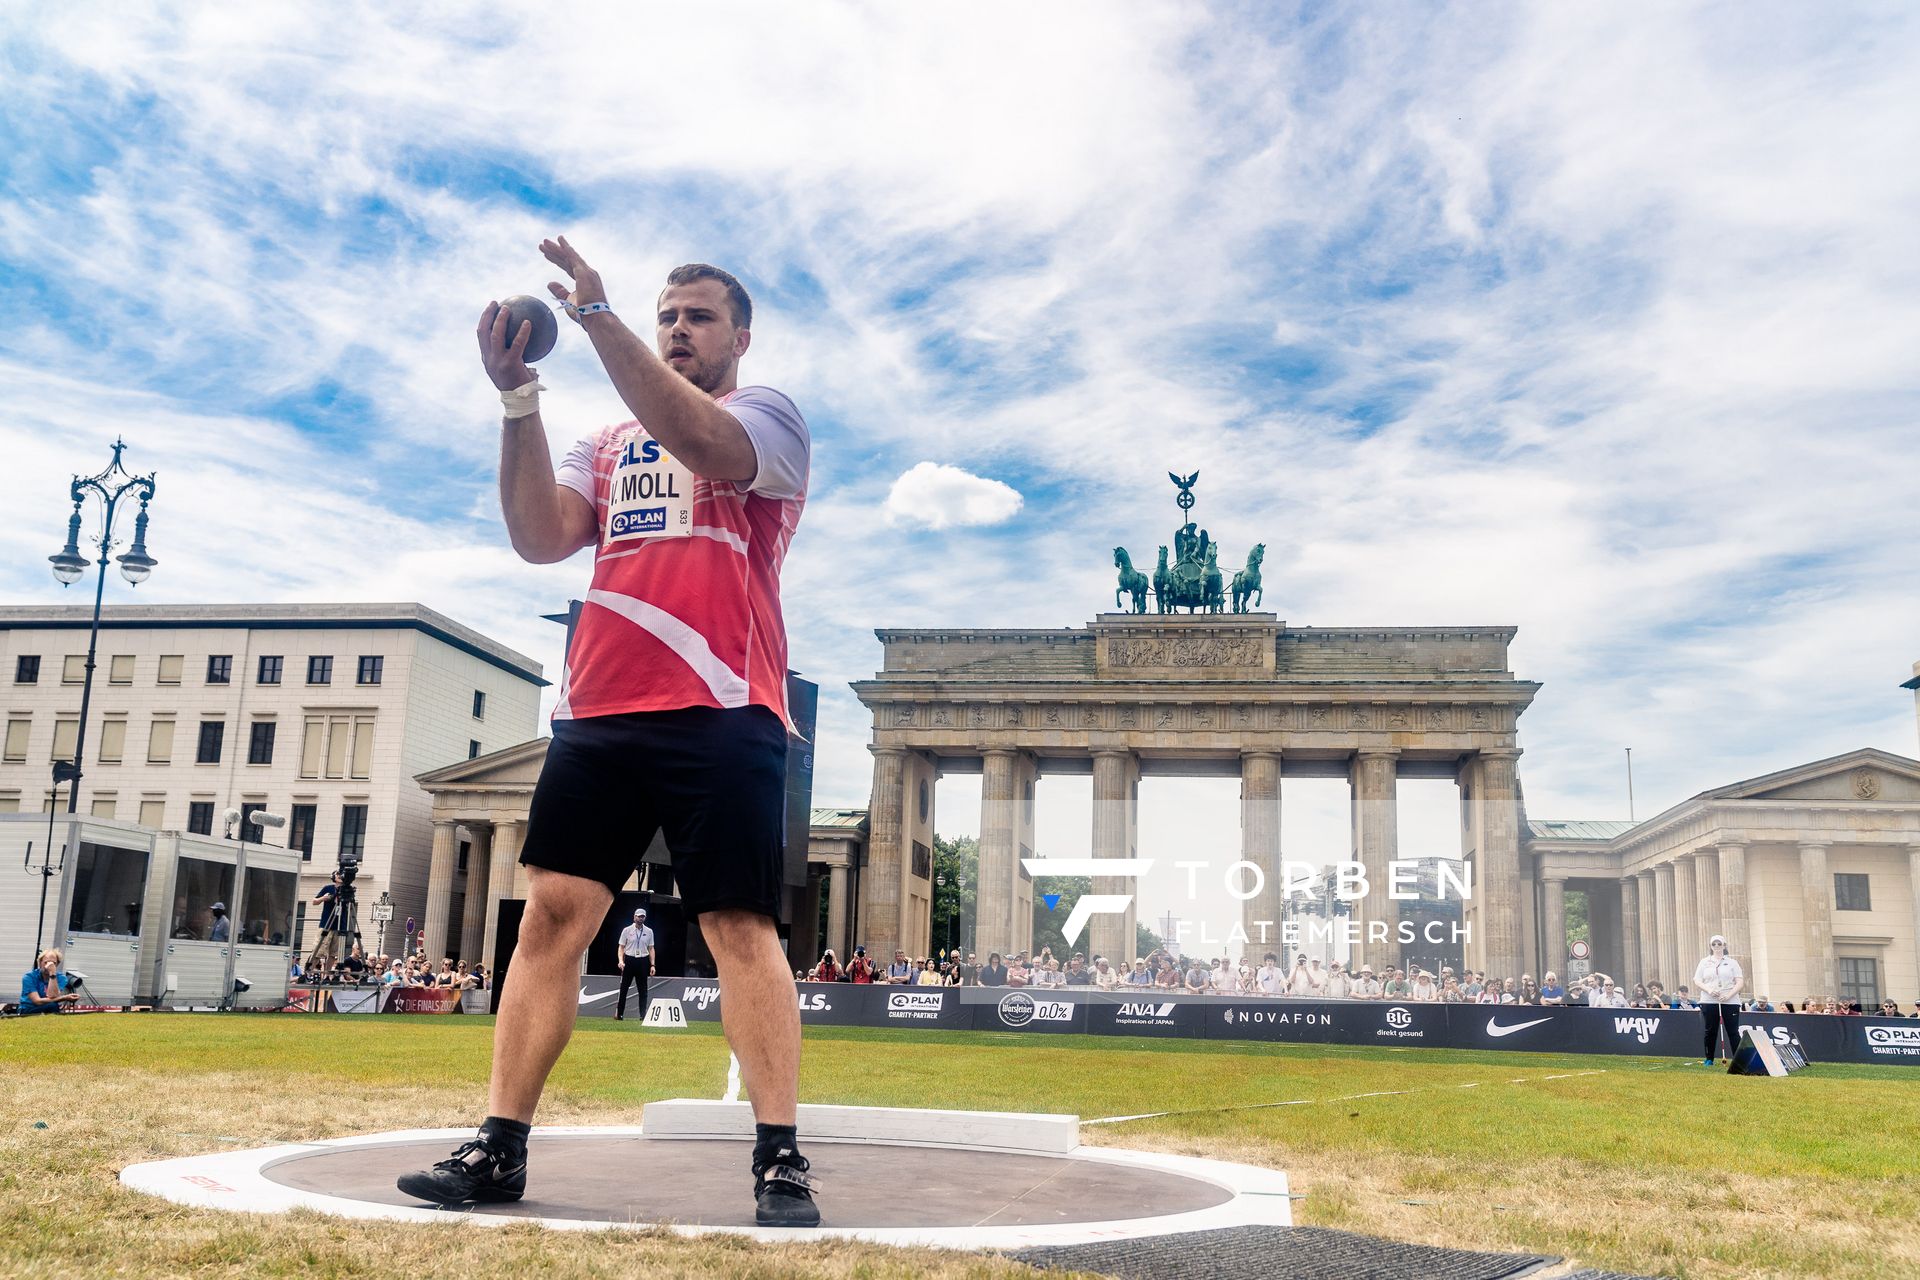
(1211, 693)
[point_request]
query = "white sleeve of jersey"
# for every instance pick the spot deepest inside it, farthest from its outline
(780, 441)
(576, 469)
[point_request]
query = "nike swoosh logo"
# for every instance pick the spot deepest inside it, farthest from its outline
(1495, 1030)
(604, 995)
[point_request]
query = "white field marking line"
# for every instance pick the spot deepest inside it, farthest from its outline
(1348, 1097)
(733, 1080)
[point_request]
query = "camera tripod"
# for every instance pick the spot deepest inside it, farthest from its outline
(346, 924)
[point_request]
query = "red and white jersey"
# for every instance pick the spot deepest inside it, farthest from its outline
(684, 610)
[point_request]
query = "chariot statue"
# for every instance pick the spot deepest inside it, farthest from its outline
(1191, 578)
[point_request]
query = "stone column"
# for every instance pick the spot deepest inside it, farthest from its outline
(1499, 880)
(837, 882)
(1649, 927)
(1260, 845)
(1376, 842)
(440, 873)
(1816, 889)
(1555, 926)
(998, 894)
(1913, 879)
(473, 917)
(1706, 893)
(881, 885)
(506, 855)
(1669, 950)
(1107, 934)
(1732, 868)
(1689, 944)
(1630, 967)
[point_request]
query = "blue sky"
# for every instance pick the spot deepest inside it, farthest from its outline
(1596, 322)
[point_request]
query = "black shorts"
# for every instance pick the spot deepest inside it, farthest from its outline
(712, 780)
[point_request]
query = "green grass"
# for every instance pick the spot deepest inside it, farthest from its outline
(1635, 1164)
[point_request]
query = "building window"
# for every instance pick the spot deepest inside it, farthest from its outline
(153, 812)
(473, 748)
(160, 742)
(17, 731)
(66, 736)
(200, 817)
(120, 669)
(104, 805)
(26, 669)
(336, 747)
(370, 666)
(170, 665)
(113, 741)
(466, 847)
(212, 734)
(248, 833)
(319, 670)
(1860, 981)
(479, 704)
(260, 742)
(108, 886)
(300, 830)
(270, 669)
(353, 830)
(74, 669)
(1850, 892)
(220, 668)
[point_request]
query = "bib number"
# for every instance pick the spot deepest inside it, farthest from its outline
(651, 494)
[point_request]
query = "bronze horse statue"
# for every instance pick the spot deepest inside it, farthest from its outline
(1161, 577)
(1132, 581)
(1246, 583)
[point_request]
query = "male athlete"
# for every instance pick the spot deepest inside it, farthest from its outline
(673, 711)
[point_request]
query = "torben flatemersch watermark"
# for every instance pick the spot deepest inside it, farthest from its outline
(1245, 881)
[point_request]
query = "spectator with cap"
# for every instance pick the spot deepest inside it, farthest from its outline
(1300, 981)
(1339, 982)
(221, 928)
(860, 968)
(1423, 988)
(1138, 976)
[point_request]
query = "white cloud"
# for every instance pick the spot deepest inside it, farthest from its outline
(936, 496)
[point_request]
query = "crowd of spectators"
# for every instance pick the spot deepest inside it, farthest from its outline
(1308, 979)
(415, 970)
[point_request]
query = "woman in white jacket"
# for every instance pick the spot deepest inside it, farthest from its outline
(1717, 981)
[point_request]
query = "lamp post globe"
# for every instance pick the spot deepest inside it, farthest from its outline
(69, 567)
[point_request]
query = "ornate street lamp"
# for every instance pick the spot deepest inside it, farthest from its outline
(69, 566)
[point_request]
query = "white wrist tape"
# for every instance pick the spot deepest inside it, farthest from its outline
(522, 401)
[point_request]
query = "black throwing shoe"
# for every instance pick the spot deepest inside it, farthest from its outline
(475, 1171)
(783, 1192)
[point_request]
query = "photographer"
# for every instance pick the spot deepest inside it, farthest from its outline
(328, 900)
(44, 988)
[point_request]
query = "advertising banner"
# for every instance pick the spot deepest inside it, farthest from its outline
(422, 1000)
(1667, 1033)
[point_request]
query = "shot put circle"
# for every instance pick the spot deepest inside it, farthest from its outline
(546, 329)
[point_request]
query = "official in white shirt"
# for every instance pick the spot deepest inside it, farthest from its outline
(1716, 983)
(636, 963)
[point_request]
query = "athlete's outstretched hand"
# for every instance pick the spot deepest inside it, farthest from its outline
(586, 281)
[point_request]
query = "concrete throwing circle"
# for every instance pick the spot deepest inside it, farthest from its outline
(880, 1192)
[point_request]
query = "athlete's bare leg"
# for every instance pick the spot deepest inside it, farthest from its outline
(538, 1006)
(759, 1008)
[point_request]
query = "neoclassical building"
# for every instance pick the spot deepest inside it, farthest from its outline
(1812, 873)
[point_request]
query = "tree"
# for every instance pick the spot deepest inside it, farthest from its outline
(1145, 943)
(1047, 923)
(954, 908)
(1577, 930)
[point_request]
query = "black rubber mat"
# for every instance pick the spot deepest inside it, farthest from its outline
(1279, 1253)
